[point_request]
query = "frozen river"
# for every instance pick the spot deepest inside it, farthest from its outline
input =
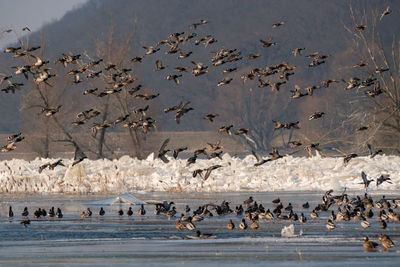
(154, 240)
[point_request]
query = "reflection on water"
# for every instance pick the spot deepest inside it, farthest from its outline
(154, 240)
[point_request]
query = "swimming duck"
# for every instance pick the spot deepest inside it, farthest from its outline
(268, 215)
(187, 209)
(25, 213)
(369, 213)
(289, 207)
(369, 245)
(243, 225)
(293, 216)
(330, 225)
(197, 218)
(179, 225)
(120, 212)
(190, 226)
(332, 217)
(59, 213)
(44, 213)
(38, 213)
(314, 215)
(230, 225)
(238, 211)
(302, 218)
(254, 224)
(10, 212)
(102, 212)
(205, 236)
(248, 201)
(130, 212)
(171, 213)
(141, 210)
(386, 241)
(365, 224)
(382, 216)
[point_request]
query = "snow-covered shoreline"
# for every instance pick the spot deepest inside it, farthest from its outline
(127, 174)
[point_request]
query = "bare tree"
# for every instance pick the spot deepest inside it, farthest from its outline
(380, 60)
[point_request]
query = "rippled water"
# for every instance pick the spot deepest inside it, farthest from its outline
(153, 240)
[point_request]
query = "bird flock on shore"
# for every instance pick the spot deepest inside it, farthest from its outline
(334, 209)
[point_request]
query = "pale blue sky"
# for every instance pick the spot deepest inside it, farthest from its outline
(16, 14)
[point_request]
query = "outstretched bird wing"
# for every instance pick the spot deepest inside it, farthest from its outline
(164, 145)
(364, 177)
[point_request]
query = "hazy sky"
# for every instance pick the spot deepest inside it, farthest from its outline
(16, 14)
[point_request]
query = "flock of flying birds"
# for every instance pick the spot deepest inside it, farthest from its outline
(117, 78)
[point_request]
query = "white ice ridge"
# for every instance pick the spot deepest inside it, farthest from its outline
(128, 175)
